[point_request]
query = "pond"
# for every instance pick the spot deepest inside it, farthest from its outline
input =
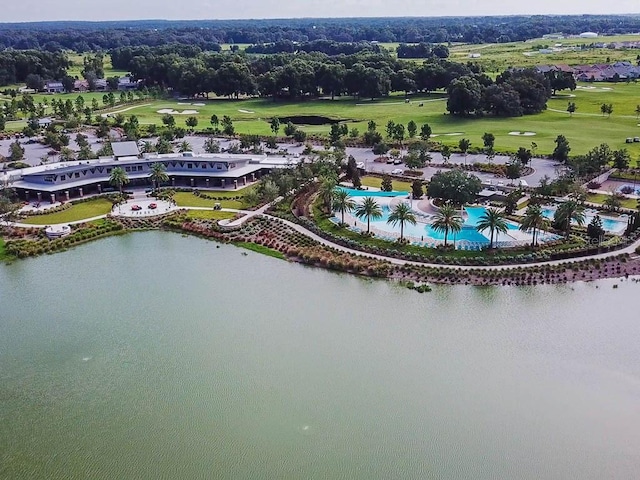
(154, 355)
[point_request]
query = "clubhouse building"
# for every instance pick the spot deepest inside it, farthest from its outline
(66, 180)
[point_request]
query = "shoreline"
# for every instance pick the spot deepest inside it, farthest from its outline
(281, 239)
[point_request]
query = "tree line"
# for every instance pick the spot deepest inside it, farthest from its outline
(209, 34)
(364, 74)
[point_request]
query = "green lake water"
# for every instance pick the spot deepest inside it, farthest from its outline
(157, 356)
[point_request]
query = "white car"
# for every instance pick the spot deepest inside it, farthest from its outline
(360, 165)
(396, 171)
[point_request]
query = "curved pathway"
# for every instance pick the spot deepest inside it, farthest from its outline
(630, 249)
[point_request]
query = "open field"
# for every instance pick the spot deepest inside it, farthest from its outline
(496, 57)
(585, 129)
(78, 211)
(377, 182)
(76, 67)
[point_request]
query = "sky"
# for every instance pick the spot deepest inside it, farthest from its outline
(40, 10)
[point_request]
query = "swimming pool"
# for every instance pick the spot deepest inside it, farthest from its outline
(423, 230)
(611, 225)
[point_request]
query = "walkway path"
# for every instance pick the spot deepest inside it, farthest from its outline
(248, 214)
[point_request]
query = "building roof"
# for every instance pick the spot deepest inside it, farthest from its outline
(125, 149)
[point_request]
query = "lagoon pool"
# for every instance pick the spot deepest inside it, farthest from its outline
(611, 225)
(424, 231)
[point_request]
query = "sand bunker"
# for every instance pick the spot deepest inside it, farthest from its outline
(245, 111)
(452, 134)
(171, 111)
(198, 104)
(523, 134)
(593, 89)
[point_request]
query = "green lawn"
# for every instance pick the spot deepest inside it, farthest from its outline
(601, 197)
(188, 199)
(584, 130)
(377, 182)
(79, 211)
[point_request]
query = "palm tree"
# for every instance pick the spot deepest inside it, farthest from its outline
(327, 191)
(492, 220)
(185, 147)
(342, 202)
(567, 212)
(534, 221)
(447, 220)
(401, 214)
(368, 209)
(118, 178)
(158, 174)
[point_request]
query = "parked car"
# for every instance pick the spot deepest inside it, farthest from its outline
(360, 165)
(389, 160)
(153, 206)
(397, 161)
(396, 171)
(135, 208)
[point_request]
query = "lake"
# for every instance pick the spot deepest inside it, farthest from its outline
(153, 355)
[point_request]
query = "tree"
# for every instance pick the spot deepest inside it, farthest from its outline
(168, 120)
(425, 132)
(416, 189)
(513, 170)
(118, 178)
(533, 221)
(192, 122)
(412, 128)
(342, 202)
(227, 126)
(489, 140)
(327, 190)
(211, 145)
(401, 214)
(454, 186)
(185, 147)
(214, 121)
(464, 144)
(606, 108)
(567, 212)
(163, 146)
(447, 220)
(446, 153)
(387, 184)
(571, 108)
(34, 82)
(275, 125)
(523, 155)
(494, 221)
(289, 129)
(158, 174)
(594, 229)
(16, 152)
(637, 112)
(465, 95)
(368, 209)
(621, 159)
(613, 201)
(562, 149)
(391, 128)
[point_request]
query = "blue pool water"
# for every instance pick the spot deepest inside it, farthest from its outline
(611, 225)
(426, 231)
(366, 193)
